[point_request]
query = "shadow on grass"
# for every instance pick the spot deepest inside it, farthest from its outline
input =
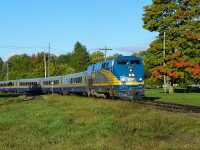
(184, 90)
(7, 95)
(151, 98)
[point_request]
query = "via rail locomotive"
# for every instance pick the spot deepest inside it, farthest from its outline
(121, 77)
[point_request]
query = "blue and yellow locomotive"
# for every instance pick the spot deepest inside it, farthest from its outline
(121, 77)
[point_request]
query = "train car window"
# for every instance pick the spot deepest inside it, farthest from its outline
(122, 62)
(137, 62)
(56, 82)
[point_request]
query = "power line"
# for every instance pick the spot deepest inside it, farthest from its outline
(105, 49)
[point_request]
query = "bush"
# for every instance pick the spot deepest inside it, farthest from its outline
(150, 83)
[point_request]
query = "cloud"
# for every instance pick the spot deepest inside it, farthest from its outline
(132, 49)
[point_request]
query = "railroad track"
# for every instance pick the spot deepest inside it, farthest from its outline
(146, 102)
(170, 106)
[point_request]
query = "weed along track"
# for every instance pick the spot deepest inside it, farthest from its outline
(170, 106)
(174, 107)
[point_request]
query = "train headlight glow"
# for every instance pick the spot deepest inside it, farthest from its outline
(140, 79)
(129, 75)
(130, 70)
(133, 75)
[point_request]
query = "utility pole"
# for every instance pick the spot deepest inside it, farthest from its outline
(105, 49)
(165, 90)
(49, 62)
(45, 65)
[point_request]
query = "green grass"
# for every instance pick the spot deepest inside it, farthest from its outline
(64, 122)
(11, 98)
(181, 98)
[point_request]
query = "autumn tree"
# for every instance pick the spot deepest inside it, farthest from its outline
(180, 20)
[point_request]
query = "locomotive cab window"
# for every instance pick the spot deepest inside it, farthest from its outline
(136, 62)
(122, 62)
(103, 66)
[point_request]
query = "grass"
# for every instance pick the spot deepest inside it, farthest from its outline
(181, 98)
(65, 122)
(10, 98)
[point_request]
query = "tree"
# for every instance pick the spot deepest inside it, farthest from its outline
(1, 69)
(37, 64)
(64, 59)
(144, 55)
(80, 57)
(19, 66)
(179, 19)
(97, 57)
(116, 55)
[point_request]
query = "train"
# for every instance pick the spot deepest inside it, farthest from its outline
(121, 77)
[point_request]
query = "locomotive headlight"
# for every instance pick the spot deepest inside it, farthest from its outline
(133, 74)
(129, 75)
(140, 79)
(130, 70)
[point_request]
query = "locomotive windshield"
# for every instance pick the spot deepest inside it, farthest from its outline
(125, 62)
(137, 62)
(122, 62)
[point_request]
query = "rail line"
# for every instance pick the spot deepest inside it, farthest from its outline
(174, 107)
(170, 106)
(145, 102)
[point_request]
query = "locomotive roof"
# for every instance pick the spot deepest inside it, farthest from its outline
(109, 62)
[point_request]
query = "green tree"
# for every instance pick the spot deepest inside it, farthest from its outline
(97, 57)
(64, 59)
(1, 69)
(116, 55)
(179, 19)
(144, 55)
(64, 69)
(37, 64)
(19, 66)
(80, 58)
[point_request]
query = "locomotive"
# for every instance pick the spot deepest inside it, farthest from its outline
(121, 77)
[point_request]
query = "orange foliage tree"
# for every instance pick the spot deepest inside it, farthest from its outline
(180, 20)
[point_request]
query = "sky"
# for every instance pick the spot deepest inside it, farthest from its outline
(28, 26)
